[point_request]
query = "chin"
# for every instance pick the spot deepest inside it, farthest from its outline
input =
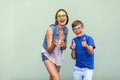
(79, 35)
(62, 24)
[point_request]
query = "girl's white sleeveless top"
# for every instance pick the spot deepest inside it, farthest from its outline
(56, 56)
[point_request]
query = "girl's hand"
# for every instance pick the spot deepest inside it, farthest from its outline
(61, 41)
(55, 42)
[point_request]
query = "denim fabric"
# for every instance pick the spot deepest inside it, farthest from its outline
(44, 57)
(56, 30)
(82, 74)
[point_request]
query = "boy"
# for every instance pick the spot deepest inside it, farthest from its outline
(82, 50)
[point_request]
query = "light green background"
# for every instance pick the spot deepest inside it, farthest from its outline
(23, 24)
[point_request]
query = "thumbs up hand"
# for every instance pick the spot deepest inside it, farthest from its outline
(84, 43)
(73, 45)
(55, 42)
(61, 40)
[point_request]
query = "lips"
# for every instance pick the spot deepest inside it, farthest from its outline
(62, 20)
(78, 33)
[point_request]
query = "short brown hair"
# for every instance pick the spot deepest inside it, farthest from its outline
(76, 23)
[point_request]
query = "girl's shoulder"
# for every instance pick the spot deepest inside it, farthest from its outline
(52, 27)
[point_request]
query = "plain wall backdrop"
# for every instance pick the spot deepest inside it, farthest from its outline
(23, 24)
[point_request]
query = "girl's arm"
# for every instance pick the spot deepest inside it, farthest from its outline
(50, 45)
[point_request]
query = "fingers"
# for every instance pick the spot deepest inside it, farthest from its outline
(55, 42)
(84, 42)
(73, 44)
(62, 38)
(84, 39)
(73, 41)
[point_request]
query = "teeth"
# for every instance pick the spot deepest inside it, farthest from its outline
(61, 21)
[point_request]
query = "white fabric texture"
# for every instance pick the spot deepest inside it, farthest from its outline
(56, 57)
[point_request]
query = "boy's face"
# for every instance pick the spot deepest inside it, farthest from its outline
(78, 30)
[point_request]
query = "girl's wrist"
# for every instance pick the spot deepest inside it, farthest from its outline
(53, 45)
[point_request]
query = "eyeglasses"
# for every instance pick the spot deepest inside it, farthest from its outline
(77, 29)
(59, 16)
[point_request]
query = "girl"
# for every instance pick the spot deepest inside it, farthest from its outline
(55, 42)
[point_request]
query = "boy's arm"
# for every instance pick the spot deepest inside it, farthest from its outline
(88, 47)
(73, 54)
(73, 45)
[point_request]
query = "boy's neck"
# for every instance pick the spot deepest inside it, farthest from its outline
(81, 35)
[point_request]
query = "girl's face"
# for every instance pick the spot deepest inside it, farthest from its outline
(61, 18)
(78, 30)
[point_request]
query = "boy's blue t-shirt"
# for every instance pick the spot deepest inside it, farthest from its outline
(83, 58)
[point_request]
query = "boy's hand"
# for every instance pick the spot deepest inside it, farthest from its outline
(84, 43)
(73, 45)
